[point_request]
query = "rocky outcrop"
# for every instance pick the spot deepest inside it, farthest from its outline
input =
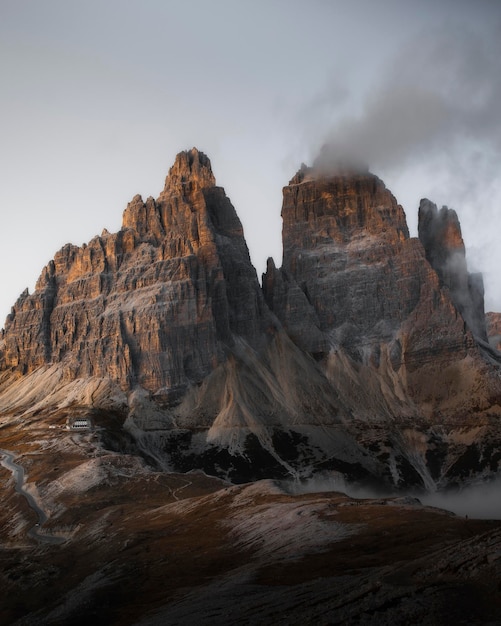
(354, 283)
(358, 294)
(156, 304)
(440, 234)
(332, 227)
(359, 355)
(493, 324)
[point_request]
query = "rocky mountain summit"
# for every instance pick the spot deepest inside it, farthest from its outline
(365, 353)
(152, 305)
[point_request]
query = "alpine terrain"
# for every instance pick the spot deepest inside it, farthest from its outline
(165, 416)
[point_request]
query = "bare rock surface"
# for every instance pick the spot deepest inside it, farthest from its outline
(353, 280)
(155, 304)
(440, 234)
(364, 353)
(493, 322)
(396, 323)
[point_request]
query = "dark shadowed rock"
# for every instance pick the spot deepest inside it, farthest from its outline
(493, 323)
(353, 279)
(440, 234)
(360, 295)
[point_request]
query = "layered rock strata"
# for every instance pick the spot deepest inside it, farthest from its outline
(359, 355)
(354, 283)
(440, 234)
(156, 304)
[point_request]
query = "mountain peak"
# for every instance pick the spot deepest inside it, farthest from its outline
(439, 226)
(352, 357)
(191, 169)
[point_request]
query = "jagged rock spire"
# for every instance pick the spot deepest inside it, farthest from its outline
(191, 169)
(440, 233)
(156, 304)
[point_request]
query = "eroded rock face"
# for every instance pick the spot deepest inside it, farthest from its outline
(353, 280)
(360, 295)
(337, 232)
(155, 304)
(493, 324)
(360, 355)
(440, 234)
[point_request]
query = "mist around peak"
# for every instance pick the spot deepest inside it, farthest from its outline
(439, 98)
(430, 126)
(332, 160)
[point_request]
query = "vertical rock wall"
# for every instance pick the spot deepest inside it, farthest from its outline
(156, 304)
(440, 234)
(351, 276)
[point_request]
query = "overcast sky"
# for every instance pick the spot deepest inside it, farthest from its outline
(99, 96)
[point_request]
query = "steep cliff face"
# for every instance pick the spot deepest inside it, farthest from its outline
(386, 327)
(493, 323)
(440, 234)
(337, 232)
(354, 284)
(359, 355)
(170, 310)
(155, 304)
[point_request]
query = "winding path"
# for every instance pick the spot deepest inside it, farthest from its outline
(18, 473)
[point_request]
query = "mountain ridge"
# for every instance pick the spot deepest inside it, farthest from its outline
(365, 353)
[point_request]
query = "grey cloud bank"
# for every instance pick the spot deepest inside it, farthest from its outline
(440, 95)
(433, 123)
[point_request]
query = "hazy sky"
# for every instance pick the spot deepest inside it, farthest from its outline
(97, 97)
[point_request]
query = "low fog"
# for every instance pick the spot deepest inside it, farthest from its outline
(481, 501)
